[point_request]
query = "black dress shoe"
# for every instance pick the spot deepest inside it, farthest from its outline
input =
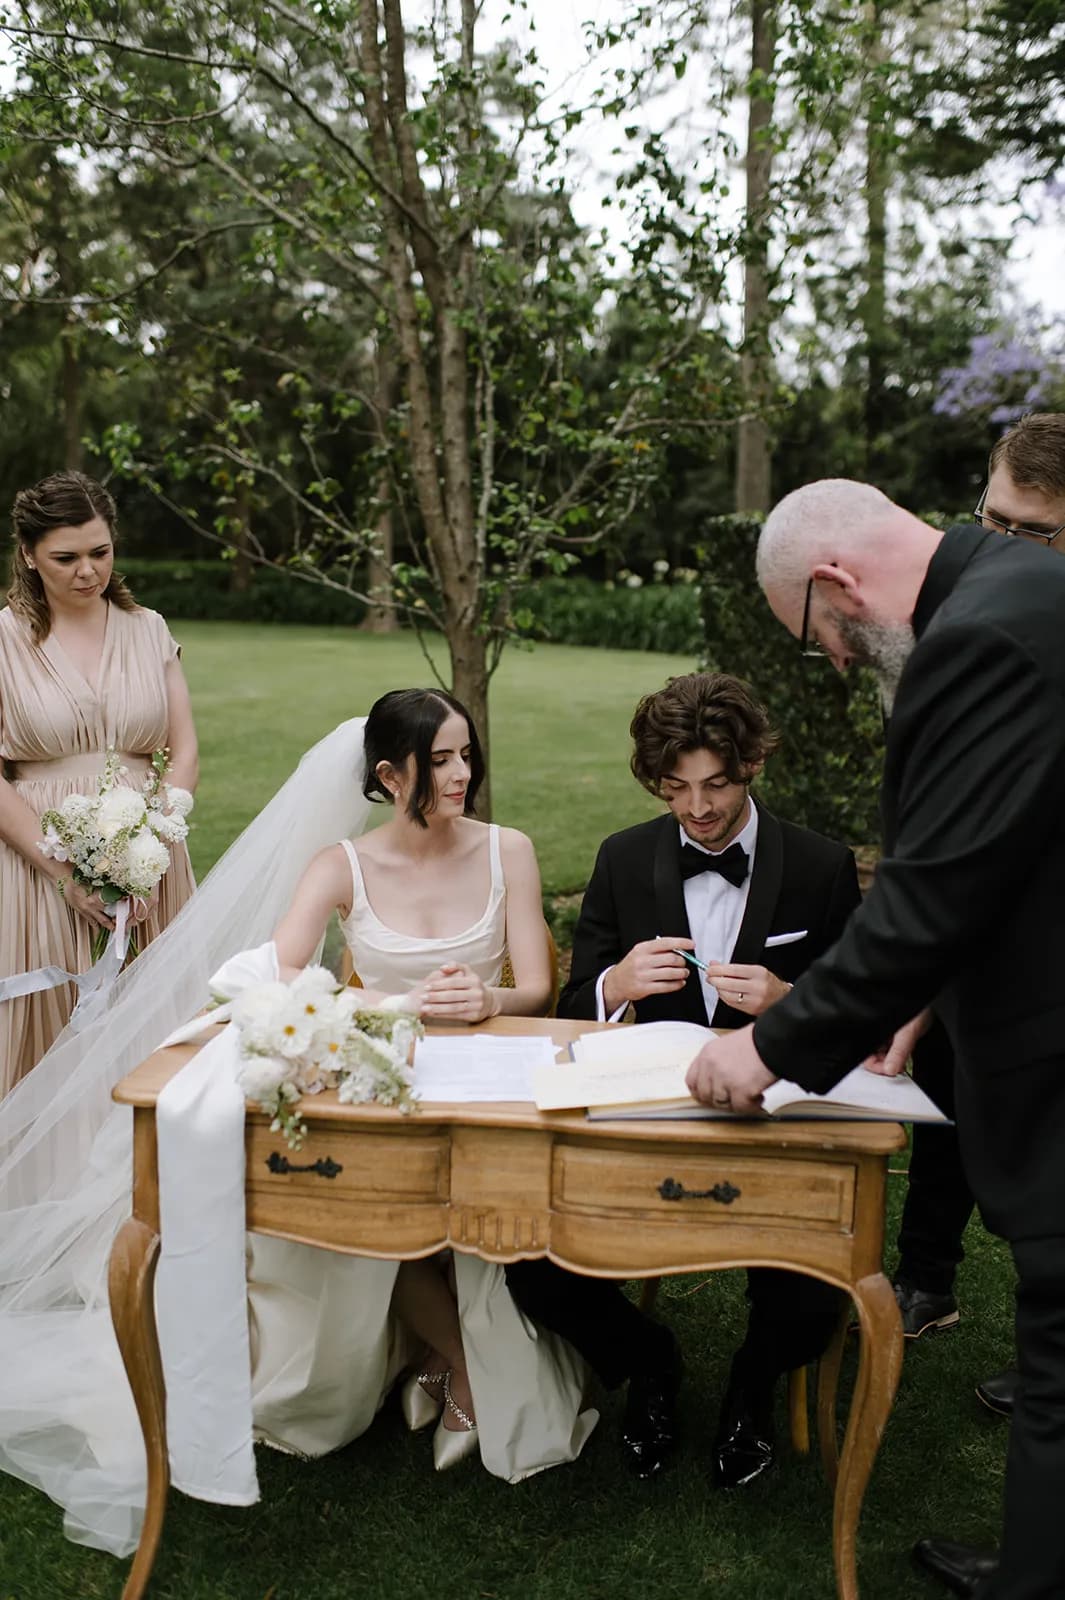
(649, 1422)
(744, 1443)
(962, 1567)
(999, 1394)
(923, 1312)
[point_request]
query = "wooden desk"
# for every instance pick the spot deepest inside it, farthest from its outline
(506, 1181)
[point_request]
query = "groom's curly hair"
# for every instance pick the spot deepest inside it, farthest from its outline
(402, 725)
(700, 711)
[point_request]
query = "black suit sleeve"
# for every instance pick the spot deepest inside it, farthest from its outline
(596, 942)
(979, 762)
(844, 897)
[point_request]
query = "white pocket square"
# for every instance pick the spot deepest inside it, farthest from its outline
(786, 938)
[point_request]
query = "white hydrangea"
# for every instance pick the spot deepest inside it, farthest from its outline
(146, 859)
(262, 1076)
(119, 809)
(179, 800)
(168, 826)
(79, 808)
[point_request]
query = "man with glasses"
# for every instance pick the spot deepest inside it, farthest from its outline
(1025, 493)
(964, 630)
(1024, 497)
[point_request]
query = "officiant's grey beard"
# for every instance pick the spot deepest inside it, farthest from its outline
(883, 646)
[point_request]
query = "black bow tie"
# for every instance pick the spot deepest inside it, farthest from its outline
(731, 863)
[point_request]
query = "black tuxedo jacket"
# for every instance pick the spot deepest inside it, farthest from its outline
(799, 880)
(967, 910)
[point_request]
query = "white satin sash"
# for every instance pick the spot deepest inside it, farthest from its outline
(201, 1298)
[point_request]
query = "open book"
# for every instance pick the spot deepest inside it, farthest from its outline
(638, 1072)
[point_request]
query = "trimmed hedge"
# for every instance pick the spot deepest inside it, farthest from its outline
(571, 610)
(826, 772)
(575, 610)
(203, 591)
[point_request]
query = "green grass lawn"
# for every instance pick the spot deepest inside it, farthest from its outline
(374, 1522)
(560, 719)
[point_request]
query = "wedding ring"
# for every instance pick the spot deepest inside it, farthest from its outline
(739, 996)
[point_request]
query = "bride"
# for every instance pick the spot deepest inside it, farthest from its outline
(429, 905)
(431, 898)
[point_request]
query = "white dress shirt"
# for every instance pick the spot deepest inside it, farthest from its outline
(715, 910)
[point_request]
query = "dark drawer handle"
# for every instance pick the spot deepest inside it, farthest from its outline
(325, 1167)
(724, 1193)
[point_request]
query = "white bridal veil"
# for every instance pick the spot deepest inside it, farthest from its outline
(67, 1423)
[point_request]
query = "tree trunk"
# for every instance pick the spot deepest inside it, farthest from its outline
(874, 300)
(70, 364)
(469, 683)
(753, 455)
(381, 616)
(72, 448)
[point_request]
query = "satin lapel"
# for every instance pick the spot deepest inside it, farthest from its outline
(672, 916)
(764, 891)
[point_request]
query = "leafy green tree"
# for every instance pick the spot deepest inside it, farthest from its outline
(372, 177)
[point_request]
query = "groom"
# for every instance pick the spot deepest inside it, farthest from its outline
(756, 900)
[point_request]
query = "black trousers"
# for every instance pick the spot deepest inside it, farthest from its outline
(791, 1321)
(1032, 1565)
(938, 1201)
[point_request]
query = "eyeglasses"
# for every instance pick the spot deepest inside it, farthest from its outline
(1044, 535)
(807, 646)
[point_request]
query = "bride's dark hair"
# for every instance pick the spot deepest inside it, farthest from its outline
(404, 723)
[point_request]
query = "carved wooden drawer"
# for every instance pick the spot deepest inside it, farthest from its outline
(703, 1186)
(368, 1183)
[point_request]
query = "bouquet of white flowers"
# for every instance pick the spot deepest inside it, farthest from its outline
(311, 1034)
(118, 840)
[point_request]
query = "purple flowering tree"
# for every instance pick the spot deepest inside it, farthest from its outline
(1019, 366)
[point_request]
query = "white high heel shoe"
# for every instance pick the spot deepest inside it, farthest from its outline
(451, 1445)
(417, 1404)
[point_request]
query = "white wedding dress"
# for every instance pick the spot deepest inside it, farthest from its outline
(325, 1349)
(324, 1346)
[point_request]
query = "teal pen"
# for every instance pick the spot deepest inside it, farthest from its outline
(692, 960)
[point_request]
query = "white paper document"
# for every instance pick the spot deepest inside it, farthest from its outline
(479, 1066)
(639, 1072)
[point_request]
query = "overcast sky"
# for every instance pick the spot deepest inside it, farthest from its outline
(1038, 257)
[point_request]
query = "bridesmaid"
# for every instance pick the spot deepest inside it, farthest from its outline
(83, 670)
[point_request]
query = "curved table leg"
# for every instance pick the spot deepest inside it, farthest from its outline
(827, 1387)
(131, 1280)
(879, 1365)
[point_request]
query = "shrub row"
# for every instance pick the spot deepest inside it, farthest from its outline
(571, 610)
(203, 590)
(825, 773)
(575, 610)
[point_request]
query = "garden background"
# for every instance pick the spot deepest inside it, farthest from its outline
(405, 353)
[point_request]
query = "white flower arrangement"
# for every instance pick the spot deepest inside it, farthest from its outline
(311, 1034)
(118, 840)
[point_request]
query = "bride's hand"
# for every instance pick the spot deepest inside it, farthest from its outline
(455, 993)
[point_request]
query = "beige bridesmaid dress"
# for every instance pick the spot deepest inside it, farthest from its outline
(55, 731)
